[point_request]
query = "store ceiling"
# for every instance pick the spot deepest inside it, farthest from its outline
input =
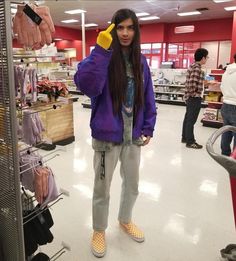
(100, 12)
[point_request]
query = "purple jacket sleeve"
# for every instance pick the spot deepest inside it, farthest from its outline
(92, 72)
(149, 102)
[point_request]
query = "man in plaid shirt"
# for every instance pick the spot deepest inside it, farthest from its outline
(193, 97)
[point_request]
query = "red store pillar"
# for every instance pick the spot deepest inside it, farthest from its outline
(233, 45)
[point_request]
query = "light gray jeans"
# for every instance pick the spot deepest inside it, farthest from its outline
(129, 156)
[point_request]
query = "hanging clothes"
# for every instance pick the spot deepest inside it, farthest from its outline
(32, 127)
(52, 189)
(25, 83)
(36, 229)
(40, 257)
(37, 221)
(31, 32)
(37, 178)
(28, 162)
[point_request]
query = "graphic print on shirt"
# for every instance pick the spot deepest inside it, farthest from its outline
(129, 97)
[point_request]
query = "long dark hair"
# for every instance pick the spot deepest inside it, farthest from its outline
(117, 69)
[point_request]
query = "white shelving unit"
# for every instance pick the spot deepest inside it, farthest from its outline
(169, 93)
(212, 116)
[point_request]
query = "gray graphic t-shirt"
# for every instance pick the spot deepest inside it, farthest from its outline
(128, 106)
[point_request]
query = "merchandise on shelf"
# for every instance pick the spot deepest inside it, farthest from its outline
(210, 114)
(169, 85)
(213, 96)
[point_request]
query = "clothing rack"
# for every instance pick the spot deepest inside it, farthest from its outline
(31, 149)
(44, 156)
(40, 212)
(11, 220)
(40, 163)
(32, 198)
(33, 105)
(54, 107)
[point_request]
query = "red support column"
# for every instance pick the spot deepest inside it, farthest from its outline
(233, 45)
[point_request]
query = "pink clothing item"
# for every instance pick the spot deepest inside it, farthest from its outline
(19, 129)
(46, 26)
(233, 154)
(27, 31)
(39, 123)
(33, 83)
(52, 189)
(32, 127)
(41, 183)
(27, 163)
(27, 127)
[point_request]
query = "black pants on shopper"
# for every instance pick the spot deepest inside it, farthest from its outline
(193, 106)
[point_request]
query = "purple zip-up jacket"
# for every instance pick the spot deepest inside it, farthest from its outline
(91, 78)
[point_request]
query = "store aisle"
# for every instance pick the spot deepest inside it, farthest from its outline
(184, 206)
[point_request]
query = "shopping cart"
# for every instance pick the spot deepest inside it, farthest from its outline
(229, 163)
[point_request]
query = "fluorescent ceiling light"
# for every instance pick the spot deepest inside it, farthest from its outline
(57, 39)
(109, 22)
(142, 14)
(149, 18)
(189, 13)
(230, 8)
(90, 25)
(184, 29)
(69, 21)
(75, 11)
(222, 1)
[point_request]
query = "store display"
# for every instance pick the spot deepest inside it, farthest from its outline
(169, 85)
(34, 128)
(213, 97)
(52, 89)
(35, 176)
(169, 93)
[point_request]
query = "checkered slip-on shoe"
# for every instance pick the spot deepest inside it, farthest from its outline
(98, 243)
(134, 232)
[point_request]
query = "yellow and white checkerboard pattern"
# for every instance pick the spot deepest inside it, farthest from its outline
(133, 231)
(98, 243)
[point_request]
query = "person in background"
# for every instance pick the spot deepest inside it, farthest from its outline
(193, 97)
(117, 78)
(220, 67)
(226, 66)
(228, 109)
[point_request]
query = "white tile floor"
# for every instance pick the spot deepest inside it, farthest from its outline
(184, 206)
